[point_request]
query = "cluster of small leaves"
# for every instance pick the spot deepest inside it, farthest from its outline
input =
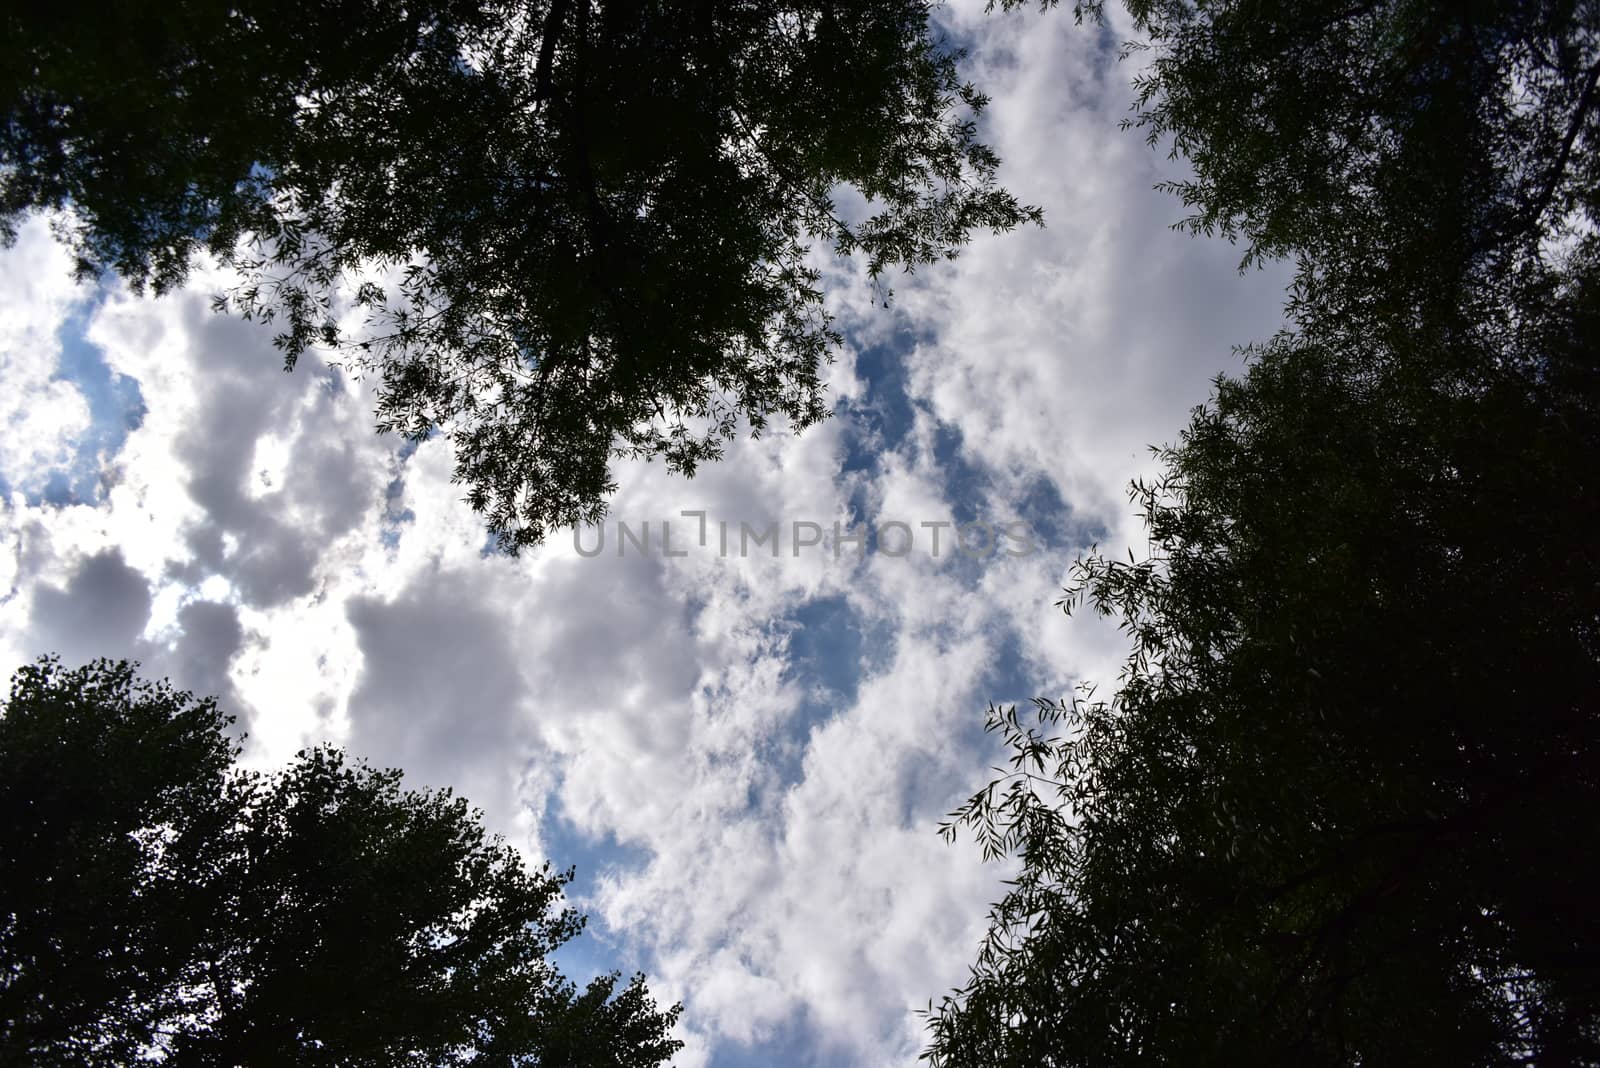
(161, 905)
(594, 217)
(95, 939)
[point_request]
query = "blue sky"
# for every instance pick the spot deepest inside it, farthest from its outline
(745, 756)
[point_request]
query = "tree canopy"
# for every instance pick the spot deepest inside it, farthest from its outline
(1395, 145)
(1340, 807)
(580, 228)
(159, 903)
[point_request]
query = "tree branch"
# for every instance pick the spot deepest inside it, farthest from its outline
(1574, 128)
(553, 19)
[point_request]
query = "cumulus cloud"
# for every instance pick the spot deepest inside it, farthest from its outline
(42, 415)
(101, 611)
(748, 751)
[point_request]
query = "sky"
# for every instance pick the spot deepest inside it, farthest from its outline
(745, 753)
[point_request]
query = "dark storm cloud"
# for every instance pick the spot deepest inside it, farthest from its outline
(614, 626)
(100, 612)
(278, 531)
(211, 637)
(439, 690)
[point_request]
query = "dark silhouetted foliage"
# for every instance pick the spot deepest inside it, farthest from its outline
(158, 903)
(1343, 807)
(1420, 154)
(580, 228)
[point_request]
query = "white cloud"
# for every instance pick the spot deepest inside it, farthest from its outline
(41, 415)
(756, 800)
